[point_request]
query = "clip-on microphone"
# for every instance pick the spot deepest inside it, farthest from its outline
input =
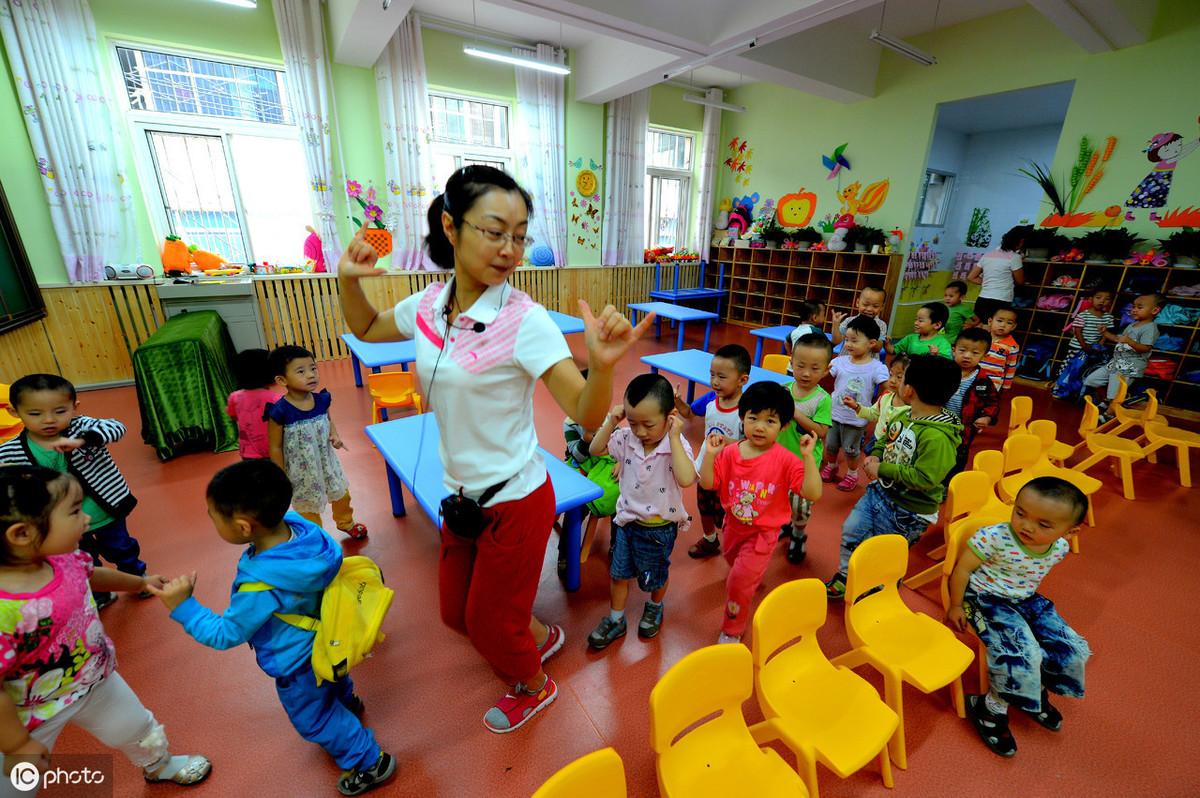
(476, 327)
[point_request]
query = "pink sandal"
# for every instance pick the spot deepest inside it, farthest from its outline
(849, 482)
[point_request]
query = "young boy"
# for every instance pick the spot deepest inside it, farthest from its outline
(248, 504)
(813, 414)
(975, 401)
(58, 437)
(811, 314)
(870, 304)
(1132, 350)
(655, 462)
(728, 374)
(926, 337)
(999, 364)
(1088, 326)
(954, 298)
(856, 373)
(1031, 651)
(908, 466)
(753, 478)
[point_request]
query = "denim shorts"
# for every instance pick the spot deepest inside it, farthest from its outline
(643, 553)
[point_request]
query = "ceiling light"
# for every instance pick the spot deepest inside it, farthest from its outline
(515, 60)
(749, 44)
(700, 99)
(902, 47)
(240, 3)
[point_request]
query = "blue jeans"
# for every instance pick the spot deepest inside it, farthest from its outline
(1029, 646)
(115, 544)
(319, 713)
(642, 553)
(876, 514)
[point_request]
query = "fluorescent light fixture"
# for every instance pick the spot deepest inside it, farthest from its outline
(700, 99)
(515, 60)
(749, 44)
(240, 3)
(902, 47)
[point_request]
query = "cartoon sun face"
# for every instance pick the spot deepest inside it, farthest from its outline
(586, 182)
(796, 210)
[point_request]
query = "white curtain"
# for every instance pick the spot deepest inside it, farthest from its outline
(408, 153)
(710, 139)
(302, 38)
(539, 135)
(623, 234)
(73, 121)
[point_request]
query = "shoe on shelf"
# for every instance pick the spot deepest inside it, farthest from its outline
(356, 782)
(829, 472)
(848, 483)
(797, 549)
(606, 633)
(651, 621)
(704, 548)
(516, 708)
(554, 641)
(992, 728)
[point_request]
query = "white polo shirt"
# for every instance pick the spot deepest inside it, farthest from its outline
(482, 391)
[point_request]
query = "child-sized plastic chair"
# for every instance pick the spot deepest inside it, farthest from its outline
(826, 714)
(904, 646)
(1056, 450)
(956, 540)
(776, 363)
(10, 425)
(1128, 418)
(600, 774)
(1025, 459)
(1020, 410)
(1104, 445)
(720, 756)
(392, 389)
(4, 397)
(1160, 434)
(970, 501)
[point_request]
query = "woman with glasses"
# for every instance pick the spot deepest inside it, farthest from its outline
(481, 347)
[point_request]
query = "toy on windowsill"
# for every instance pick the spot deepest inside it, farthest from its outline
(207, 261)
(313, 254)
(176, 259)
(1072, 255)
(1150, 258)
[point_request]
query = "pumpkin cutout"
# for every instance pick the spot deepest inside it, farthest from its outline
(175, 256)
(379, 239)
(796, 210)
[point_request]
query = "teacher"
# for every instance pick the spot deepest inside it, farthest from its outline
(481, 347)
(998, 272)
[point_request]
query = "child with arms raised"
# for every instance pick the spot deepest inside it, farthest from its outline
(856, 373)
(1031, 651)
(813, 415)
(753, 477)
(975, 401)
(869, 305)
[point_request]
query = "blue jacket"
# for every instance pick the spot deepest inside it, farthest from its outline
(298, 570)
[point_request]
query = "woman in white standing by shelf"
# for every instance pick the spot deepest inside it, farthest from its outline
(998, 272)
(481, 348)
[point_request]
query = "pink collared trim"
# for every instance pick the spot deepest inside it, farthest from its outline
(429, 332)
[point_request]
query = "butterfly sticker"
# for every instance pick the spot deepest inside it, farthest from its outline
(592, 211)
(574, 218)
(574, 203)
(581, 240)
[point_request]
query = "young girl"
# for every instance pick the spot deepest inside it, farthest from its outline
(56, 662)
(302, 439)
(247, 405)
(888, 406)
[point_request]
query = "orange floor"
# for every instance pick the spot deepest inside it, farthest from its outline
(1129, 593)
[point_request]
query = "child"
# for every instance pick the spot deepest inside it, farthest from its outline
(856, 373)
(889, 406)
(999, 364)
(813, 414)
(926, 337)
(811, 315)
(59, 666)
(908, 466)
(57, 437)
(753, 478)
(302, 439)
(655, 462)
(1088, 326)
(960, 312)
(727, 375)
(248, 504)
(870, 303)
(975, 401)
(246, 406)
(1132, 350)
(1031, 651)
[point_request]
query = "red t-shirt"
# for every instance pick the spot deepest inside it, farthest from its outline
(247, 407)
(755, 492)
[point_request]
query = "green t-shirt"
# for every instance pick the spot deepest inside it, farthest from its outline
(912, 344)
(958, 317)
(57, 461)
(818, 406)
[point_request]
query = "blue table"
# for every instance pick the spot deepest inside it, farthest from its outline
(375, 356)
(679, 313)
(780, 334)
(403, 440)
(678, 295)
(694, 366)
(568, 325)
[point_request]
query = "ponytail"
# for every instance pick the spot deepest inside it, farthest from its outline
(463, 189)
(441, 251)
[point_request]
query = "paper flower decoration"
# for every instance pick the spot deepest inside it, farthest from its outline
(353, 188)
(371, 211)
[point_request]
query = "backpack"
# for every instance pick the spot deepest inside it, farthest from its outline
(353, 606)
(599, 470)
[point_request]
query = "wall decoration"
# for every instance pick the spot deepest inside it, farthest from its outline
(1181, 217)
(738, 161)
(979, 233)
(586, 182)
(584, 210)
(836, 162)
(1164, 150)
(871, 200)
(922, 259)
(797, 209)
(742, 215)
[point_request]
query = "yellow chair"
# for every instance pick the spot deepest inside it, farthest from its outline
(776, 363)
(1103, 445)
(5, 401)
(600, 774)
(1056, 450)
(1160, 434)
(904, 646)
(1025, 459)
(391, 389)
(698, 755)
(954, 547)
(1020, 410)
(970, 501)
(825, 713)
(10, 425)
(1128, 419)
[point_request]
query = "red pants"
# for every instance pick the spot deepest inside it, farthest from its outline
(748, 551)
(487, 586)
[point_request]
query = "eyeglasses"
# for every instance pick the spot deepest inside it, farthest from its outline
(497, 237)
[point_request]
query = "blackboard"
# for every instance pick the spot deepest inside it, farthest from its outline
(20, 300)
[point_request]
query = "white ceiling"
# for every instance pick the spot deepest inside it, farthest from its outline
(817, 46)
(1041, 105)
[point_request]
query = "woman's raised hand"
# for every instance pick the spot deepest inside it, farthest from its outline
(360, 258)
(610, 334)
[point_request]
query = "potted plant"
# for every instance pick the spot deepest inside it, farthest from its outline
(1183, 246)
(1042, 242)
(377, 235)
(772, 232)
(805, 237)
(863, 238)
(1109, 245)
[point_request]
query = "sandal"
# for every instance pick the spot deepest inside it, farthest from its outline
(357, 532)
(848, 483)
(1049, 718)
(194, 771)
(992, 729)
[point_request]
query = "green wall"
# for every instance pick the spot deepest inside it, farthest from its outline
(668, 109)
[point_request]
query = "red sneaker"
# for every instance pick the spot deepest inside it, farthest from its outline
(554, 642)
(357, 532)
(518, 706)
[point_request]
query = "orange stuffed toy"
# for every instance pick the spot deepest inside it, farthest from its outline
(175, 256)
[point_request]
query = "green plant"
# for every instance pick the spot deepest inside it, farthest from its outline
(808, 235)
(1041, 175)
(1184, 243)
(1046, 238)
(771, 231)
(862, 236)
(1110, 244)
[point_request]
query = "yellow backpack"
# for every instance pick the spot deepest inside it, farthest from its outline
(353, 607)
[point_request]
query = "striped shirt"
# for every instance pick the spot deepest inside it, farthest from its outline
(1090, 326)
(91, 463)
(1000, 362)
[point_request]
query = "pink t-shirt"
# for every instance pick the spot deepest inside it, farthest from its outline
(649, 489)
(53, 648)
(755, 492)
(247, 407)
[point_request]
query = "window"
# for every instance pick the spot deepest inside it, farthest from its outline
(468, 130)
(668, 187)
(20, 300)
(935, 198)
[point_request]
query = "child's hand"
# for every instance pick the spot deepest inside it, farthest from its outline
(679, 403)
(957, 618)
(933, 350)
(983, 421)
(616, 470)
(64, 445)
(716, 442)
(617, 414)
(851, 402)
(30, 751)
(336, 442)
(808, 443)
(838, 317)
(176, 591)
(154, 580)
(610, 334)
(360, 258)
(871, 467)
(674, 425)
